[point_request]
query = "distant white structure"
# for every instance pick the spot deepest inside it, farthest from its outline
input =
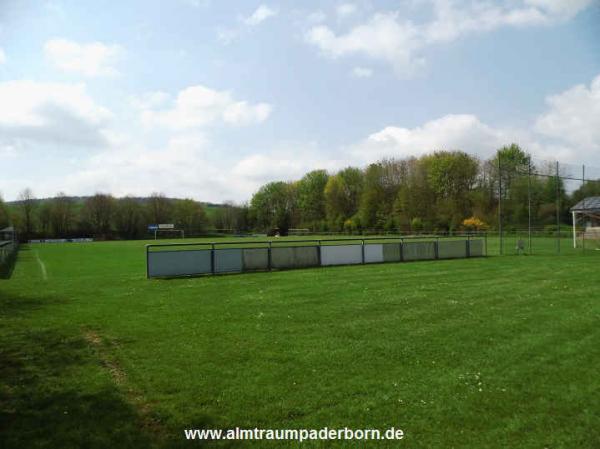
(587, 210)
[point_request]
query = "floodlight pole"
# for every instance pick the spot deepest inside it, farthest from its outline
(583, 189)
(500, 204)
(557, 209)
(529, 202)
(574, 229)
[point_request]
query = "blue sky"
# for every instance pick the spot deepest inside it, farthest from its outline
(209, 100)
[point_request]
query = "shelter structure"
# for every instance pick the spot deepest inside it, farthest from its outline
(587, 211)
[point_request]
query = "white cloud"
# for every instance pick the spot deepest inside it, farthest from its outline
(92, 59)
(344, 10)
(316, 17)
(199, 106)
(50, 113)
(383, 37)
(2, 56)
(573, 117)
(229, 34)
(398, 40)
(362, 72)
(262, 13)
(452, 132)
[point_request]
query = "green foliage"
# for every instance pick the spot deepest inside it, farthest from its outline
(189, 215)
(4, 216)
(273, 206)
(311, 197)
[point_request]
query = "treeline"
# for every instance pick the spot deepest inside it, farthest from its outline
(445, 191)
(102, 216)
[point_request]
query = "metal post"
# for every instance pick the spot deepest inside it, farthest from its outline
(212, 258)
(529, 202)
(269, 254)
(437, 247)
(147, 264)
(557, 210)
(583, 190)
(319, 251)
(362, 242)
(401, 249)
(468, 243)
(485, 243)
(500, 206)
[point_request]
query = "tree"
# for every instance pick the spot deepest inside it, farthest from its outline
(342, 196)
(61, 215)
(274, 205)
(26, 204)
(311, 198)
(98, 210)
(232, 217)
(159, 208)
(190, 216)
(451, 175)
(129, 217)
(4, 217)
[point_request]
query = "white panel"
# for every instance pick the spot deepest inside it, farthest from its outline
(373, 253)
(341, 254)
(178, 263)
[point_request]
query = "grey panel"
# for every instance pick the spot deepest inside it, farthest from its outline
(341, 254)
(228, 260)
(373, 253)
(452, 249)
(178, 263)
(295, 257)
(255, 259)
(391, 252)
(418, 250)
(476, 248)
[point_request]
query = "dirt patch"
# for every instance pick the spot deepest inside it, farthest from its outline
(102, 347)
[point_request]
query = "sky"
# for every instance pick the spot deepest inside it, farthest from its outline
(211, 99)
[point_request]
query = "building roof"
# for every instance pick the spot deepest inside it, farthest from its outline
(589, 204)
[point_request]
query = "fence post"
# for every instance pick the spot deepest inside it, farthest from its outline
(500, 206)
(437, 247)
(557, 209)
(401, 249)
(319, 251)
(529, 202)
(269, 254)
(583, 189)
(363, 250)
(468, 243)
(212, 258)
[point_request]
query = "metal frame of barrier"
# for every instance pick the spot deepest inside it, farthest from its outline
(178, 259)
(8, 251)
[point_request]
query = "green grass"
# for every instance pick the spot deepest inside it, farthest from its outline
(480, 353)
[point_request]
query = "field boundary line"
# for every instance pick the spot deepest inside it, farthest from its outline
(42, 265)
(101, 347)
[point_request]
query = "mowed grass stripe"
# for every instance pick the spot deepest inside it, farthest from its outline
(407, 345)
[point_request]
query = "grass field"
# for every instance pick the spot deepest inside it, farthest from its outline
(480, 353)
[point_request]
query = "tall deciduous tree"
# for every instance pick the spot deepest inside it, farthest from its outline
(311, 198)
(4, 217)
(62, 215)
(190, 216)
(98, 211)
(160, 209)
(129, 217)
(273, 206)
(27, 209)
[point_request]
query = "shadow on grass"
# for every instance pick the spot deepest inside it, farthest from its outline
(7, 267)
(54, 392)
